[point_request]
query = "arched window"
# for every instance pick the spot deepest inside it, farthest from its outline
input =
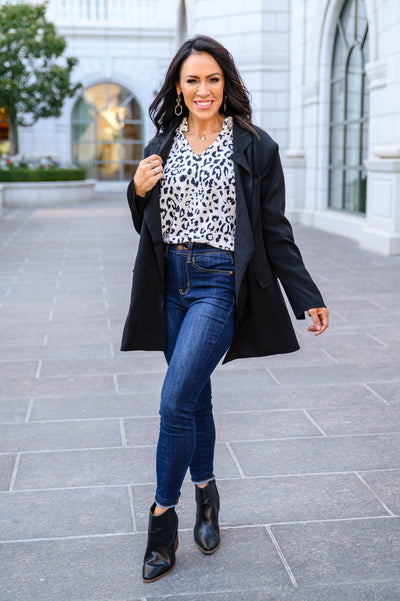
(348, 141)
(107, 132)
(4, 143)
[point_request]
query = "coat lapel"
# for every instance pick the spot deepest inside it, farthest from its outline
(161, 146)
(244, 243)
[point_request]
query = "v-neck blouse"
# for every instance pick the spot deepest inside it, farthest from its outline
(198, 198)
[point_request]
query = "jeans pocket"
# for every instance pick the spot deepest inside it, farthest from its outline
(214, 262)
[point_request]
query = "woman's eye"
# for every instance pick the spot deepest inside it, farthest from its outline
(191, 81)
(214, 79)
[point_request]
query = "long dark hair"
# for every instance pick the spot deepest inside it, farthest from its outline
(162, 109)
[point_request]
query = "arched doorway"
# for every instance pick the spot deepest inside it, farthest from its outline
(348, 139)
(107, 132)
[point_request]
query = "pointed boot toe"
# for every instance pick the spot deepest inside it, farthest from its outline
(206, 530)
(162, 542)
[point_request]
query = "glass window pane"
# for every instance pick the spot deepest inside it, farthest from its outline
(337, 144)
(353, 143)
(362, 21)
(365, 107)
(83, 111)
(108, 152)
(132, 110)
(96, 95)
(83, 153)
(348, 20)
(354, 85)
(108, 171)
(83, 133)
(107, 126)
(336, 186)
(351, 190)
(132, 152)
(132, 131)
(339, 56)
(117, 94)
(337, 100)
(364, 140)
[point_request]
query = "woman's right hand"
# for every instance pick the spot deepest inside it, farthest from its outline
(148, 173)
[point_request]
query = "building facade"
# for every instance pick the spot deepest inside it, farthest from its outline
(123, 49)
(325, 81)
(324, 77)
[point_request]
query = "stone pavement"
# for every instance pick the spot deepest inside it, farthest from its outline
(308, 452)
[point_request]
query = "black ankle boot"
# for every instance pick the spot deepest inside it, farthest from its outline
(206, 530)
(162, 542)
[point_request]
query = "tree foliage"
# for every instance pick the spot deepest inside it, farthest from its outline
(34, 80)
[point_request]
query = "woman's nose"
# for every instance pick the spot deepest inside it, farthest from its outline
(203, 88)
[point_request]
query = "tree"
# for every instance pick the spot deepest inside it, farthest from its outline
(34, 82)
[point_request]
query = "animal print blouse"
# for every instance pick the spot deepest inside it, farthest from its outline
(198, 199)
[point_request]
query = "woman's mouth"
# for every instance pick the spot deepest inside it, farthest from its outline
(203, 104)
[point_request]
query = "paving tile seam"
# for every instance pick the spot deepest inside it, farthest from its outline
(375, 393)
(281, 556)
(29, 410)
(220, 479)
(14, 472)
(371, 490)
(29, 420)
(76, 450)
(200, 593)
(124, 440)
(274, 589)
(327, 438)
(320, 437)
(330, 357)
(315, 423)
(132, 509)
(290, 523)
(273, 386)
(376, 339)
(263, 526)
(162, 373)
(235, 460)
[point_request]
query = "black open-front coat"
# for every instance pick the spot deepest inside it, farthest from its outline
(265, 251)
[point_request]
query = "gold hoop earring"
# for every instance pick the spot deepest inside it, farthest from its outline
(179, 107)
(225, 104)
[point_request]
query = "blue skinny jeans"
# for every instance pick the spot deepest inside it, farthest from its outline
(200, 320)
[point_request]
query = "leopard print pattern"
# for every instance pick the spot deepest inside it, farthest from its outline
(198, 198)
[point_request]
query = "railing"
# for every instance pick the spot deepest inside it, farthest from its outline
(133, 13)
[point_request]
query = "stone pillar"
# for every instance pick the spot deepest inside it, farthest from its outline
(381, 231)
(294, 157)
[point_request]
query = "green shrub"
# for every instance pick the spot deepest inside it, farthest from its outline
(42, 175)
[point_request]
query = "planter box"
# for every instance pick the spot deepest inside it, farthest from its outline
(45, 194)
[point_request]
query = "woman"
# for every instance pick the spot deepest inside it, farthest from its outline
(208, 202)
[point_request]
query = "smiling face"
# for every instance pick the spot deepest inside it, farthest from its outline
(202, 83)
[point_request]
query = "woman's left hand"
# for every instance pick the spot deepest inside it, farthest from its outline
(320, 317)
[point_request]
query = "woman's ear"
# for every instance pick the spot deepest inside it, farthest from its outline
(178, 89)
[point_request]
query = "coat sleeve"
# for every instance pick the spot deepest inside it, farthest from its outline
(137, 203)
(279, 243)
